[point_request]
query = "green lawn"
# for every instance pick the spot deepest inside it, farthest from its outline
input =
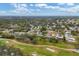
(63, 45)
(28, 50)
(42, 51)
(2, 42)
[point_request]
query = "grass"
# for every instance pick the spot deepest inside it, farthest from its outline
(42, 51)
(67, 53)
(2, 42)
(63, 45)
(28, 50)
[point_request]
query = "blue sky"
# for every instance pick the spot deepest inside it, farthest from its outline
(44, 9)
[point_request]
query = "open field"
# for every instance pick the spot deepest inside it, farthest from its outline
(29, 49)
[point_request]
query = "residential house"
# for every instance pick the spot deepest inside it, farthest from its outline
(59, 36)
(50, 33)
(69, 37)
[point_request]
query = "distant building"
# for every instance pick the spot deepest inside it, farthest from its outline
(50, 33)
(18, 34)
(59, 36)
(69, 37)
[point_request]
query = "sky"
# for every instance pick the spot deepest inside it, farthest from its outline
(39, 9)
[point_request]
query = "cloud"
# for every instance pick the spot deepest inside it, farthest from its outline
(20, 9)
(47, 6)
(74, 9)
(23, 5)
(31, 4)
(57, 7)
(23, 9)
(40, 5)
(18, 5)
(53, 7)
(2, 12)
(60, 3)
(70, 4)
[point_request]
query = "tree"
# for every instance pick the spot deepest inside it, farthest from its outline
(43, 28)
